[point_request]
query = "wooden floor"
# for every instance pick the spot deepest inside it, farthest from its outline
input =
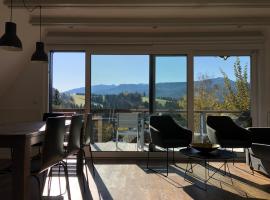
(132, 181)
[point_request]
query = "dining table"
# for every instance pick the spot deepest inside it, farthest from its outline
(21, 137)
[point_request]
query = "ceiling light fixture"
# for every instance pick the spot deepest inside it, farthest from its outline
(10, 41)
(39, 55)
(224, 57)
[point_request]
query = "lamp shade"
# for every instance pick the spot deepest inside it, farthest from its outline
(39, 55)
(10, 41)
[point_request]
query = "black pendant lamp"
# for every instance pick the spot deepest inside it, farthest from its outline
(39, 55)
(10, 41)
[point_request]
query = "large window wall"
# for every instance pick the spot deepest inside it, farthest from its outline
(131, 87)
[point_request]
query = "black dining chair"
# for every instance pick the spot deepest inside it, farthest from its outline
(53, 152)
(44, 118)
(74, 137)
(166, 133)
(86, 139)
(73, 145)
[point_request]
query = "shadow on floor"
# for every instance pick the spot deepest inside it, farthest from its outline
(220, 194)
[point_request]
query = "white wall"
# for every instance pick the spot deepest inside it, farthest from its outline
(21, 83)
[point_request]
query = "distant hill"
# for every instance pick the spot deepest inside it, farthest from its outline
(172, 89)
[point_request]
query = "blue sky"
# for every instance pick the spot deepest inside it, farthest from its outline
(211, 65)
(69, 68)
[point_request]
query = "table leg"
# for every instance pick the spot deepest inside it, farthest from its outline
(21, 170)
(80, 162)
(205, 174)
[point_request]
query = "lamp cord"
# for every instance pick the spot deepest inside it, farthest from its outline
(40, 23)
(31, 9)
(11, 14)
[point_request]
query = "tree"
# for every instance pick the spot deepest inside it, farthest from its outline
(205, 96)
(56, 97)
(238, 97)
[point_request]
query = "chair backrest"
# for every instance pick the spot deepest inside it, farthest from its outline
(260, 135)
(53, 150)
(164, 128)
(224, 131)
(163, 123)
(74, 138)
(51, 114)
(88, 131)
(128, 120)
(221, 123)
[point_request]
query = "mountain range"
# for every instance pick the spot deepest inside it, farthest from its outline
(169, 89)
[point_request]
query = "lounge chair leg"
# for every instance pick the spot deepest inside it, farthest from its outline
(167, 160)
(233, 158)
(173, 156)
(148, 155)
(250, 162)
(225, 170)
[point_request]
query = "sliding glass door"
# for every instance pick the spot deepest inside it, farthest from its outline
(221, 87)
(119, 101)
(171, 87)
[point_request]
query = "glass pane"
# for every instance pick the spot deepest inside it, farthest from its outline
(171, 87)
(222, 87)
(119, 87)
(68, 83)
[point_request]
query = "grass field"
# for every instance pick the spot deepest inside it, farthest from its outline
(161, 101)
(79, 99)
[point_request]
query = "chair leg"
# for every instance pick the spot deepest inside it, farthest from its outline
(116, 140)
(49, 181)
(59, 181)
(148, 155)
(233, 158)
(92, 160)
(250, 162)
(39, 185)
(167, 163)
(137, 141)
(86, 173)
(44, 175)
(173, 156)
(85, 169)
(167, 160)
(66, 177)
(225, 167)
(11, 153)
